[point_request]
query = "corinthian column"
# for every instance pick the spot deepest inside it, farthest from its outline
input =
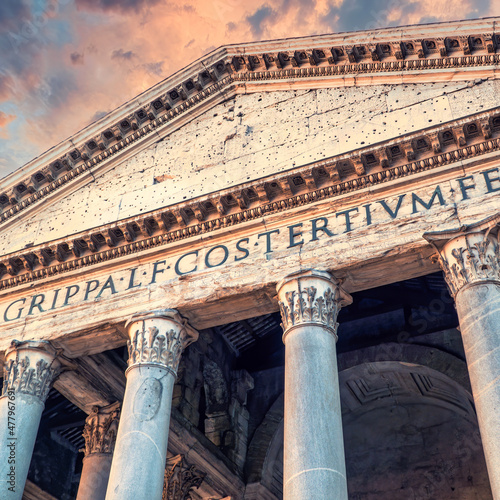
(29, 370)
(470, 259)
(314, 463)
(99, 432)
(157, 340)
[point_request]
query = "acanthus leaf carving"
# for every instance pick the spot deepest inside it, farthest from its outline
(180, 479)
(469, 255)
(30, 369)
(472, 263)
(100, 429)
(317, 303)
(159, 339)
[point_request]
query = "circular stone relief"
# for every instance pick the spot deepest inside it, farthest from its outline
(147, 399)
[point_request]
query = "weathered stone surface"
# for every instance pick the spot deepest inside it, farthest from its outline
(157, 339)
(478, 309)
(333, 165)
(313, 445)
(244, 289)
(231, 144)
(29, 372)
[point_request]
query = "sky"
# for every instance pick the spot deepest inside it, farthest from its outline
(66, 63)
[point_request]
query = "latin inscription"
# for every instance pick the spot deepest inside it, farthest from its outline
(264, 243)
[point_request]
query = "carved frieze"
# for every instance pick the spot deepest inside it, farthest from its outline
(470, 254)
(159, 337)
(163, 227)
(235, 67)
(311, 298)
(180, 479)
(100, 429)
(30, 368)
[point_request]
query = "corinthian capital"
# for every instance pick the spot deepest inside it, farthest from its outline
(311, 298)
(100, 429)
(158, 338)
(30, 368)
(180, 479)
(470, 254)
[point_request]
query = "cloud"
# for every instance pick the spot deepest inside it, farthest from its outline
(76, 58)
(44, 43)
(5, 119)
(357, 15)
(98, 115)
(56, 90)
(116, 5)
(155, 68)
(6, 84)
(259, 17)
(121, 55)
(11, 12)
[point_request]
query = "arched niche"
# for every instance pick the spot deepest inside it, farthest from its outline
(409, 431)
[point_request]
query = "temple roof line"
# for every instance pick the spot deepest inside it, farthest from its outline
(428, 53)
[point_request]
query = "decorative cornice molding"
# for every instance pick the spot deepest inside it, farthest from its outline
(469, 255)
(446, 144)
(180, 479)
(311, 298)
(100, 429)
(159, 338)
(30, 368)
(331, 57)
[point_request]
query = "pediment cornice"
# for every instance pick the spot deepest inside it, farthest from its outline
(446, 146)
(440, 52)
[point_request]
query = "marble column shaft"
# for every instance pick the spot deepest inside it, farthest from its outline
(157, 340)
(314, 462)
(30, 368)
(100, 435)
(470, 259)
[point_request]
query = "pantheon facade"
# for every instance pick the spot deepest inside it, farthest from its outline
(275, 274)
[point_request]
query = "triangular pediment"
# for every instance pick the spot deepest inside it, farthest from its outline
(251, 124)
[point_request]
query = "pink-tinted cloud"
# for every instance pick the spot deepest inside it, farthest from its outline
(116, 5)
(76, 58)
(6, 86)
(5, 119)
(79, 59)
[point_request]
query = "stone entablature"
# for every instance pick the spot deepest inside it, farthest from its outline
(314, 61)
(415, 153)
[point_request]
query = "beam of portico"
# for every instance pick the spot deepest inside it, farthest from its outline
(96, 381)
(369, 255)
(372, 250)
